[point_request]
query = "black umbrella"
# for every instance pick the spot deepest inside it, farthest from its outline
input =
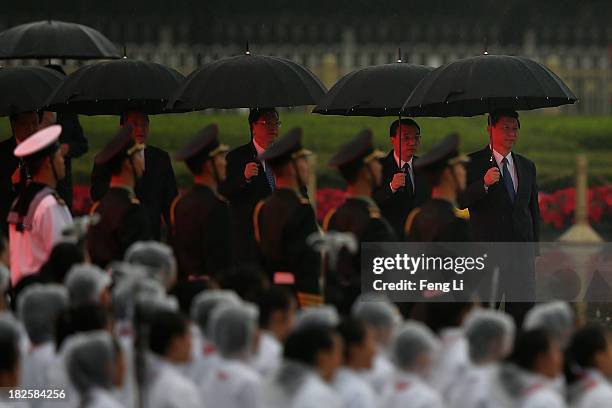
(114, 87)
(55, 39)
(248, 81)
(373, 91)
(482, 84)
(25, 89)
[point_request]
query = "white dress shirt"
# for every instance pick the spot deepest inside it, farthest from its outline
(511, 167)
(400, 165)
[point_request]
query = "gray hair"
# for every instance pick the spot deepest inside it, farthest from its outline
(38, 308)
(88, 358)
(412, 340)
(233, 329)
(85, 284)
(485, 328)
(158, 258)
(556, 318)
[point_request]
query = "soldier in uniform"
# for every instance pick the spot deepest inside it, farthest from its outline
(201, 232)
(439, 220)
(358, 163)
(123, 220)
(284, 221)
(38, 216)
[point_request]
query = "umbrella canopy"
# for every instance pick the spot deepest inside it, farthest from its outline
(248, 81)
(482, 84)
(373, 91)
(55, 39)
(25, 89)
(114, 87)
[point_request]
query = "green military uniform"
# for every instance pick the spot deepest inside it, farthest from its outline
(438, 220)
(201, 233)
(359, 216)
(282, 224)
(123, 220)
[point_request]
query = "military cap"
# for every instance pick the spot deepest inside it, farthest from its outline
(357, 152)
(445, 153)
(204, 144)
(288, 147)
(122, 145)
(40, 144)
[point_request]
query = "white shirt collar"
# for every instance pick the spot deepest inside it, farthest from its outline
(401, 164)
(259, 149)
(499, 158)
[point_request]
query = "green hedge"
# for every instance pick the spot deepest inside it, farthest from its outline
(550, 140)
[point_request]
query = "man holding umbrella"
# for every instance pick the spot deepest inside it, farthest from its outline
(157, 188)
(250, 179)
(502, 196)
(401, 189)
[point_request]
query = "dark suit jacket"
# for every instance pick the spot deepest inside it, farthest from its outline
(8, 165)
(395, 207)
(493, 216)
(72, 134)
(156, 189)
(243, 198)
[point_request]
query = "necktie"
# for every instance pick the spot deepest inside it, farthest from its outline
(508, 180)
(270, 177)
(406, 170)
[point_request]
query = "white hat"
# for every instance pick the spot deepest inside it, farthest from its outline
(38, 141)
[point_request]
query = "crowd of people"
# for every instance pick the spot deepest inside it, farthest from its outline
(120, 340)
(223, 297)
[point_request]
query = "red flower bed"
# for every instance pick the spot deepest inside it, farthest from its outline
(328, 199)
(557, 208)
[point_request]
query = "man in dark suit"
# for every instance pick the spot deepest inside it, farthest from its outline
(357, 161)
(250, 180)
(13, 174)
(157, 188)
(123, 220)
(283, 222)
(201, 223)
(502, 196)
(401, 189)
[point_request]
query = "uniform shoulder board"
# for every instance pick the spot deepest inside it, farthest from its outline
(173, 207)
(94, 207)
(463, 214)
(304, 201)
(327, 218)
(59, 199)
(374, 212)
(221, 198)
(410, 220)
(256, 212)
